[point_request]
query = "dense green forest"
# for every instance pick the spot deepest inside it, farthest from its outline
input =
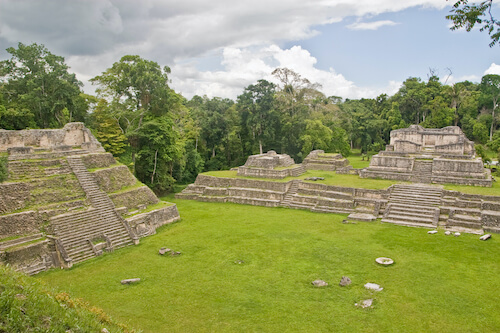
(166, 138)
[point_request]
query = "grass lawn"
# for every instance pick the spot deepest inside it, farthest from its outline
(438, 283)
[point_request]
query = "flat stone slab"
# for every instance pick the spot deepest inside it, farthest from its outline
(367, 303)
(485, 237)
(129, 281)
(319, 283)
(432, 232)
(384, 261)
(373, 286)
(364, 217)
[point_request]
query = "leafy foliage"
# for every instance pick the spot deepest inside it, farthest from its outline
(4, 172)
(465, 15)
(38, 90)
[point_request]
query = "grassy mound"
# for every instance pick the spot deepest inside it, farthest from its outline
(26, 306)
(249, 269)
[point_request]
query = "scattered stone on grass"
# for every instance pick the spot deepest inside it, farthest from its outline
(485, 237)
(348, 222)
(104, 330)
(319, 283)
(367, 303)
(129, 281)
(163, 250)
(344, 281)
(384, 261)
(314, 178)
(373, 286)
(432, 232)
(239, 262)
(447, 232)
(456, 234)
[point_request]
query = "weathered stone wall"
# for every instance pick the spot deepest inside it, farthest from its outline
(238, 182)
(133, 198)
(146, 224)
(13, 196)
(114, 179)
(102, 160)
(269, 160)
(264, 173)
(19, 224)
(55, 189)
(72, 134)
(401, 164)
(464, 167)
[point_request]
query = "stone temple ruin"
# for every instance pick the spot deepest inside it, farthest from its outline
(415, 154)
(270, 165)
(67, 200)
(425, 155)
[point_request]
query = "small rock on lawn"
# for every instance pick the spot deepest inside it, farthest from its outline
(344, 281)
(319, 283)
(485, 237)
(373, 286)
(129, 281)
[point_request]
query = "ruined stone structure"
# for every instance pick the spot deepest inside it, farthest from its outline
(410, 205)
(66, 200)
(424, 155)
(270, 165)
(319, 160)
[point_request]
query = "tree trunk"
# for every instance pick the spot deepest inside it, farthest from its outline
(154, 168)
(492, 120)
(260, 146)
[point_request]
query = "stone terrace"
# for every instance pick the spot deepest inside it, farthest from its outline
(411, 205)
(56, 212)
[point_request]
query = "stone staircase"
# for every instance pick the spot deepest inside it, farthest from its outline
(468, 218)
(84, 234)
(422, 171)
(292, 190)
(414, 205)
(295, 172)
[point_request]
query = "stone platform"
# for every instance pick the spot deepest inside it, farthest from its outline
(422, 155)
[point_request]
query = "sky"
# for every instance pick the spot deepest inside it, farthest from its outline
(353, 49)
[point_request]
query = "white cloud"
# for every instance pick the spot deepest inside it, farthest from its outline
(370, 25)
(92, 34)
(493, 69)
(245, 66)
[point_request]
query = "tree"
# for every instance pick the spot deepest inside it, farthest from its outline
(136, 89)
(256, 106)
(157, 150)
(467, 16)
(36, 84)
(108, 131)
(490, 85)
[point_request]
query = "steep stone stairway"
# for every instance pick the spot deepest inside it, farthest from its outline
(414, 205)
(292, 190)
(422, 171)
(83, 233)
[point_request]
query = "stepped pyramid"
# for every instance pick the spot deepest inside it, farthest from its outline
(66, 200)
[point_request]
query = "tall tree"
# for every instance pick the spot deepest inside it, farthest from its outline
(36, 81)
(136, 88)
(490, 85)
(256, 106)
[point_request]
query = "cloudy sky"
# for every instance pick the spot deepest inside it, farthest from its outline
(354, 49)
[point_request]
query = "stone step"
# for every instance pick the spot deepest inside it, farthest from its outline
(421, 214)
(465, 224)
(468, 218)
(414, 202)
(416, 192)
(407, 223)
(411, 208)
(18, 241)
(409, 219)
(326, 209)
